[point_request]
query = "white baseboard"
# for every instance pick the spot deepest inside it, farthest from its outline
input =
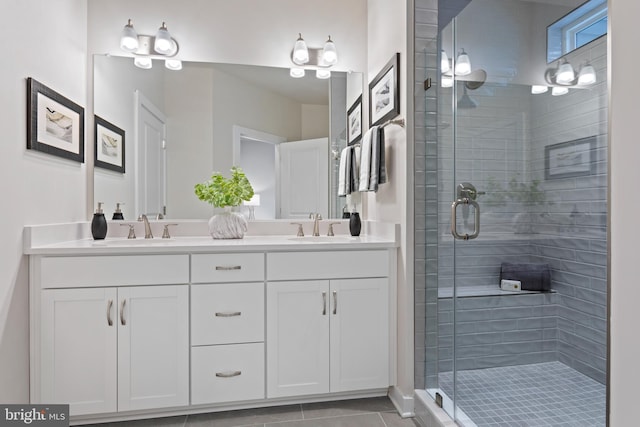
(404, 404)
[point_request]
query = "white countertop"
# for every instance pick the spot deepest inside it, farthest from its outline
(200, 244)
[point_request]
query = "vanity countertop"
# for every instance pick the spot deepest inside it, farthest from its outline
(199, 244)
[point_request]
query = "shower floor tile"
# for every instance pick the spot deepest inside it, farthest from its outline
(543, 394)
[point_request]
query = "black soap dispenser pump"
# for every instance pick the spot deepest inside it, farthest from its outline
(117, 214)
(99, 224)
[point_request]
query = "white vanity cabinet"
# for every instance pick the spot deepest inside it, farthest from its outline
(117, 348)
(331, 335)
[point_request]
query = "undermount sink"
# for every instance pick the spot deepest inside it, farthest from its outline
(324, 239)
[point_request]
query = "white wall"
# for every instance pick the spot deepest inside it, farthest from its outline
(624, 155)
(36, 188)
(315, 121)
(393, 201)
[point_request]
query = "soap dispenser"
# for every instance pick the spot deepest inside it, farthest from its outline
(99, 224)
(117, 214)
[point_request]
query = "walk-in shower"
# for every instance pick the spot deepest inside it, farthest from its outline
(514, 157)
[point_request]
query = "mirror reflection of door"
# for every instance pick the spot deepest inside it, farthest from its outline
(304, 178)
(151, 173)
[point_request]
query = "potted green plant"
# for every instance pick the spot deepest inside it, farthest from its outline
(227, 193)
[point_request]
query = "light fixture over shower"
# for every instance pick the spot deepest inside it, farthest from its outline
(319, 59)
(146, 48)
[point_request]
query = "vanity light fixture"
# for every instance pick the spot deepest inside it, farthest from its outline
(145, 48)
(319, 59)
(444, 62)
(296, 72)
(323, 73)
(446, 80)
(538, 89)
(463, 64)
(563, 76)
(129, 38)
(329, 53)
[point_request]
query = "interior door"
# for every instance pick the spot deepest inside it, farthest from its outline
(151, 172)
(303, 179)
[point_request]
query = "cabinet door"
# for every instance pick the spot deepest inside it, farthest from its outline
(78, 349)
(297, 338)
(359, 334)
(153, 347)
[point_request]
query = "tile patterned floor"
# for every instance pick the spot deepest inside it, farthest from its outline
(544, 394)
(374, 412)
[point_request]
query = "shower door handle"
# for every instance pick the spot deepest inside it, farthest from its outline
(476, 228)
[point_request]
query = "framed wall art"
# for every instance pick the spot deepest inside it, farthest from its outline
(570, 159)
(55, 124)
(384, 95)
(109, 145)
(354, 122)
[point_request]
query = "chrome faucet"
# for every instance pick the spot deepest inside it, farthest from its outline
(316, 217)
(147, 227)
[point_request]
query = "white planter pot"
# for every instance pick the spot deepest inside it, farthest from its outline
(227, 225)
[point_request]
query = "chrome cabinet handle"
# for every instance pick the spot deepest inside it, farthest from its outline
(227, 268)
(324, 303)
(122, 321)
(228, 374)
(476, 228)
(335, 302)
(228, 314)
(109, 320)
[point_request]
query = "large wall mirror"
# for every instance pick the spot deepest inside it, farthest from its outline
(180, 126)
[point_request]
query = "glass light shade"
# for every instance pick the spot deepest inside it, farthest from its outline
(322, 73)
(329, 52)
(587, 75)
(163, 43)
(143, 62)
(173, 64)
(538, 89)
(129, 38)
(444, 62)
(300, 51)
(557, 91)
(296, 72)
(565, 73)
(446, 81)
(463, 64)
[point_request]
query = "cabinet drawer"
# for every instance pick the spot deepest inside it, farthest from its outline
(113, 270)
(327, 265)
(227, 313)
(224, 373)
(208, 268)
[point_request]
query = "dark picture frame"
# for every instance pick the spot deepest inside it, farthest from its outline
(384, 93)
(109, 145)
(354, 122)
(570, 159)
(55, 124)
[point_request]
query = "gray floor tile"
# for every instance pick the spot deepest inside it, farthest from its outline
(346, 407)
(245, 417)
(152, 422)
(392, 419)
(359, 420)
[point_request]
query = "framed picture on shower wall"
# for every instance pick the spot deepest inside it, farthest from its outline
(354, 122)
(109, 145)
(570, 159)
(384, 94)
(55, 124)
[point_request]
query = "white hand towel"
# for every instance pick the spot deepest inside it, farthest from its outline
(342, 172)
(365, 159)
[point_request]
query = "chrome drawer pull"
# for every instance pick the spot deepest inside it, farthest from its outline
(335, 302)
(122, 321)
(228, 374)
(324, 303)
(229, 314)
(227, 268)
(109, 305)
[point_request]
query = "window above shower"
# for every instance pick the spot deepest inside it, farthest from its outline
(576, 29)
